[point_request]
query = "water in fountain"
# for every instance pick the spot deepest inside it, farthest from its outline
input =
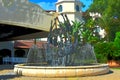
(62, 49)
(35, 56)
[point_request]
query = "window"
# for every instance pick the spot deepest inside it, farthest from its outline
(77, 8)
(60, 8)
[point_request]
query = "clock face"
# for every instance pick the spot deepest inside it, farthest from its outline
(7, 3)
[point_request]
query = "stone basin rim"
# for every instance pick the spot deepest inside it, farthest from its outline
(60, 71)
(57, 67)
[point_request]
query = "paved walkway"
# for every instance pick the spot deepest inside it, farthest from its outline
(6, 73)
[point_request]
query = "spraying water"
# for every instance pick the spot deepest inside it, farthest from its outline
(62, 49)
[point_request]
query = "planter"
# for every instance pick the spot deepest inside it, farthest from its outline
(114, 63)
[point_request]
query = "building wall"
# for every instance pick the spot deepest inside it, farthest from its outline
(70, 16)
(67, 6)
(6, 45)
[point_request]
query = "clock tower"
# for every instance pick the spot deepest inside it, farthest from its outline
(72, 8)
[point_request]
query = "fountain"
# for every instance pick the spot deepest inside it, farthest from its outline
(63, 56)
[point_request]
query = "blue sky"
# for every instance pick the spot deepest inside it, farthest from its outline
(50, 4)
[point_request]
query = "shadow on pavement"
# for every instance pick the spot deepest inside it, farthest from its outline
(7, 77)
(5, 67)
(110, 72)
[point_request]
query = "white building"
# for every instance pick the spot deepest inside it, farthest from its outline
(72, 8)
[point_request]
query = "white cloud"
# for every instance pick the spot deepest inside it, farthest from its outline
(47, 5)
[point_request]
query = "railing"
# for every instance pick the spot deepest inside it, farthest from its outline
(7, 60)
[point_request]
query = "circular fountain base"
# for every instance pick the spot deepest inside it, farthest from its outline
(67, 71)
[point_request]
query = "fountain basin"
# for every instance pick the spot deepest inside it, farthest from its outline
(61, 71)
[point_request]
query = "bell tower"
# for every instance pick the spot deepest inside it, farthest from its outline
(72, 8)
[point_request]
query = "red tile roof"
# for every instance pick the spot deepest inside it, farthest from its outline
(28, 44)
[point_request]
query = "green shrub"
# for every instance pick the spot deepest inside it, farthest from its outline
(106, 51)
(117, 40)
(101, 53)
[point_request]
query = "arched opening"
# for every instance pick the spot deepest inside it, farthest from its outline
(60, 8)
(19, 53)
(4, 53)
(77, 8)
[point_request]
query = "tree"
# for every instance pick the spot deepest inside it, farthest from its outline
(110, 19)
(84, 33)
(117, 40)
